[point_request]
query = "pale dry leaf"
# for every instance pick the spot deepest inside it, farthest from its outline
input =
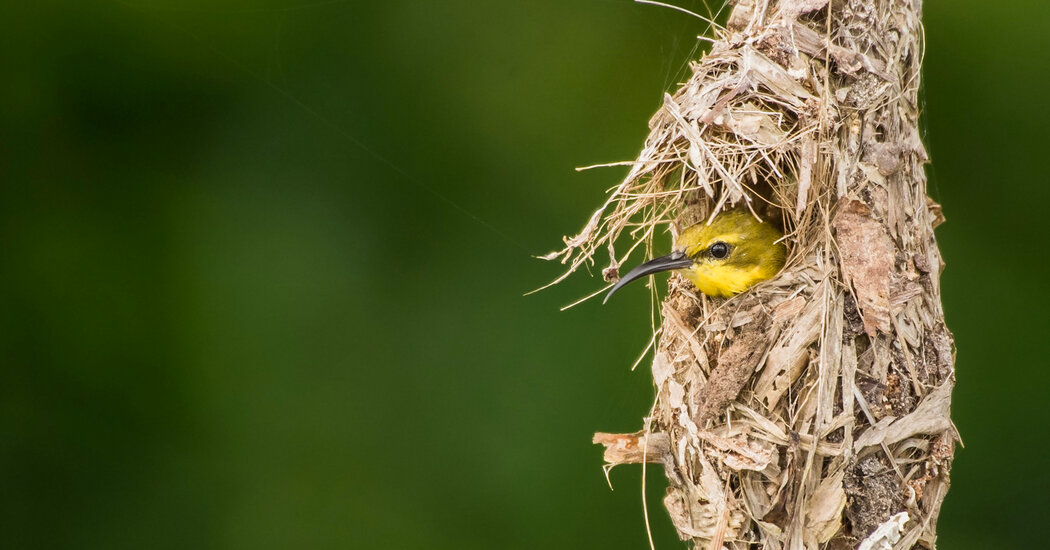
(807, 158)
(886, 534)
(740, 452)
(824, 514)
(775, 78)
(930, 417)
(791, 9)
(662, 369)
(787, 358)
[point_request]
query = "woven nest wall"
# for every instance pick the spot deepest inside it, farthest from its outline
(811, 411)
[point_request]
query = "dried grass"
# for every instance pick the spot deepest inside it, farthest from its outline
(813, 410)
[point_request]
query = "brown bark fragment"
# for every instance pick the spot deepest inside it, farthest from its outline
(735, 365)
(633, 448)
(866, 253)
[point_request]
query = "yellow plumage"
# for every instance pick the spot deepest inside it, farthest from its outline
(754, 254)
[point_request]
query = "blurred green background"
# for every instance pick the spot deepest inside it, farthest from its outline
(248, 303)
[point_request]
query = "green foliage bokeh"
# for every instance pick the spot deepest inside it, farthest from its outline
(263, 268)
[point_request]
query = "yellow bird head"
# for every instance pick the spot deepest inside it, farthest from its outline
(728, 256)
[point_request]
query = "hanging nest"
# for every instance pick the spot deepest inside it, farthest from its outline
(811, 411)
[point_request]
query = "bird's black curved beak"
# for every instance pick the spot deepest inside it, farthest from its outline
(674, 260)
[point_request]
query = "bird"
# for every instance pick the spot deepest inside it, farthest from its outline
(725, 257)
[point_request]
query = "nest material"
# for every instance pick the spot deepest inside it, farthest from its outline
(813, 410)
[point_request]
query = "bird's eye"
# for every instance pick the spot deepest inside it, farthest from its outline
(718, 250)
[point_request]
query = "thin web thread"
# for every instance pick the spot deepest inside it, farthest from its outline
(287, 95)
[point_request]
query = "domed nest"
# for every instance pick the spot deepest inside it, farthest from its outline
(811, 411)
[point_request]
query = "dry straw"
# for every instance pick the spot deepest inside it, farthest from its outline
(813, 410)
